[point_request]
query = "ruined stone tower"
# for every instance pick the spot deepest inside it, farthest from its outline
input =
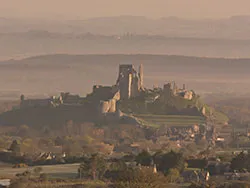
(129, 81)
(141, 76)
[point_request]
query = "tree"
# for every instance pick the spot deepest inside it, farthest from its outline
(197, 163)
(144, 158)
(18, 184)
(115, 168)
(166, 161)
(15, 147)
(37, 170)
(93, 167)
(241, 161)
(23, 177)
(173, 175)
(44, 177)
(140, 178)
(118, 166)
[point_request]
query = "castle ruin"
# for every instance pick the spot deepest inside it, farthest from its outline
(129, 82)
(171, 89)
(104, 99)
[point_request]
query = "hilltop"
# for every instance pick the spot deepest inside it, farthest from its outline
(128, 100)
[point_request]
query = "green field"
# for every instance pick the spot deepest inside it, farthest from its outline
(170, 120)
(54, 171)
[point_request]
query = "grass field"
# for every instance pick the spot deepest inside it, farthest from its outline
(54, 171)
(170, 120)
(65, 171)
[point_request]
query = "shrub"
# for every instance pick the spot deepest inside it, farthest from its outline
(44, 177)
(137, 178)
(17, 184)
(37, 170)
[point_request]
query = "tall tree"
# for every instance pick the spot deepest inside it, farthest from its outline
(140, 178)
(166, 161)
(144, 158)
(241, 161)
(93, 167)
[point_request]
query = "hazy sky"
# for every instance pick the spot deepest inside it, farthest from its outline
(74, 9)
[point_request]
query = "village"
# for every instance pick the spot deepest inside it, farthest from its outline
(167, 119)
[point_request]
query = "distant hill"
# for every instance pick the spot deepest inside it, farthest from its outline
(126, 35)
(233, 27)
(36, 42)
(50, 74)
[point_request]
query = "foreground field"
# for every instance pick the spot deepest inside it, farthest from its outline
(54, 171)
(171, 120)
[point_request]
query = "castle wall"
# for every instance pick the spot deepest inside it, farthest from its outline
(135, 87)
(130, 77)
(107, 106)
(35, 103)
(117, 96)
(112, 105)
(104, 107)
(188, 95)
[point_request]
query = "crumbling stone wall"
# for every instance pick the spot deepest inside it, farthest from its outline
(107, 106)
(104, 107)
(188, 95)
(112, 105)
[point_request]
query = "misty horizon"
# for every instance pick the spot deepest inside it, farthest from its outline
(84, 9)
(90, 18)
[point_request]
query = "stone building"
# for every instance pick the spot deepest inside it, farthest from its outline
(171, 89)
(129, 82)
(107, 97)
(167, 92)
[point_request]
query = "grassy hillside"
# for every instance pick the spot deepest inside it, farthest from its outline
(46, 116)
(235, 107)
(170, 120)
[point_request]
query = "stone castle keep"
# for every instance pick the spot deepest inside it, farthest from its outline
(129, 82)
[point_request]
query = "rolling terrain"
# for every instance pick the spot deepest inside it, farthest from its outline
(235, 27)
(20, 38)
(41, 76)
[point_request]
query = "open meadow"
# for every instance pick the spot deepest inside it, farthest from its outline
(54, 171)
